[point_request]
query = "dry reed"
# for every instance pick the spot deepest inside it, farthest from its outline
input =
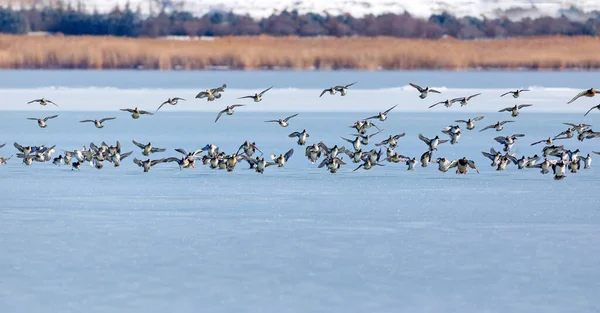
(85, 52)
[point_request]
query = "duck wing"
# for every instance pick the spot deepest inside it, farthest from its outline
(288, 154)
(50, 117)
(106, 119)
(581, 94)
(219, 115)
(419, 88)
(289, 117)
(425, 139)
(263, 92)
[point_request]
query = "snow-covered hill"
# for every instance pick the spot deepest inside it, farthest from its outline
(514, 9)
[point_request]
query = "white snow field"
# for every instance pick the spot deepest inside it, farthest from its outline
(423, 8)
(297, 238)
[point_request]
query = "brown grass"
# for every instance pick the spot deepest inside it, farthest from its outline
(298, 53)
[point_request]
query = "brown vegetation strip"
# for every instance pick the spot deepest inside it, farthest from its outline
(297, 53)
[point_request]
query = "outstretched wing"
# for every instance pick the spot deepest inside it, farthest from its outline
(431, 106)
(419, 88)
(388, 110)
(504, 94)
(294, 134)
(460, 121)
(479, 118)
(524, 106)
(581, 94)
(138, 162)
(50, 117)
(246, 97)
(141, 146)
(219, 115)
(288, 154)
(289, 117)
(86, 121)
(146, 112)
(506, 109)
(473, 96)
(323, 92)
(538, 142)
(36, 100)
(163, 104)
(590, 110)
(350, 84)
(433, 90)
(127, 110)
(262, 92)
(424, 139)
(107, 119)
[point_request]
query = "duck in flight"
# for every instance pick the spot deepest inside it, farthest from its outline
(470, 122)
(382, 116)
(228, 110)
(586, 93)
(514, 111)
(136, 113)
(171, 101)
(423, 91)
(282, 122)
(42, 121)
(42, 101)
(257, 97)
(343, 90)
(515, 93)
(98, 123)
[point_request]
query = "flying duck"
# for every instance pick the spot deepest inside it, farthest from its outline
(423, 91)
(42, 121)
(257, 96)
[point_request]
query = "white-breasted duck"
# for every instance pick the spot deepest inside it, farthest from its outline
(282, 122)
(301, 137)
(98, 123)
(148, 148)
(470, 122)
(147, 164)
(391, 141)
(514, 110)
(433, 142)
(547, 142)
(462, 165)
(423, 91)
(257, 97)
(228, 110)
(465, 100)
(282, 158)
(382, 116)
(42, 121)
(499, 126)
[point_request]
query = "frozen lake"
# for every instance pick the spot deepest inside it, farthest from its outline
(296, 239)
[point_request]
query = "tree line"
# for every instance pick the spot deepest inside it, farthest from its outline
(130, 22)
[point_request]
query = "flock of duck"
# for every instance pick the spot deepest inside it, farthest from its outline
(553, 158)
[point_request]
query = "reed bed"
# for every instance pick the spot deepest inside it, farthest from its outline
(249, 53)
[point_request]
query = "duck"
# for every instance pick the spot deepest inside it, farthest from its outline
(574, 165)
(411, 164)
(355, 142)
(391, 141)
(454, 137)
(75, 165)
(586, 93)
(301, 137)
(208, 94)
(42, 121)
(190, 156)
(514, 111)
(171, 101)
(374, 156)
(282, 158)
(232, 160)
(464, 100)
(3, 160)
(544, 166)
(432, 143)
(559, 169)
(118, 157)
(228, 110)
(262, 164)
(313, 153)
(515, 93)
(579, 128)
(470, 122)
(425, 158)
(249, 148)
(27, 159)
(367, 165)
(382, 116)
(343, 90)
(211, 150)
(504, 160)
(548, 150)
(567, 134)
(443, 164)
(42, 101)
(355, 156)
(98, 123)
(333, 151)
(447, 103)
(333, 164)
(148, 148)
(365, 138)
(499, 126)
(257, 97)
(216, 92)
(136, 113)
(423, 91)
(508, 141)
(494, 156)
(147, 164)
(397, 158)
(587, 161)
(183, 162)
(548, 142)
(331, 91)
(462, 166)
(282, 122)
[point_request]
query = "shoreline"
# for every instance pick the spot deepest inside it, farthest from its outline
(261, 53)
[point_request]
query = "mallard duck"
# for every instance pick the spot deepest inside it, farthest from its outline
(586, 93)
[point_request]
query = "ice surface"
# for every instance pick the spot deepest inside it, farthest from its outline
(296, 239)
